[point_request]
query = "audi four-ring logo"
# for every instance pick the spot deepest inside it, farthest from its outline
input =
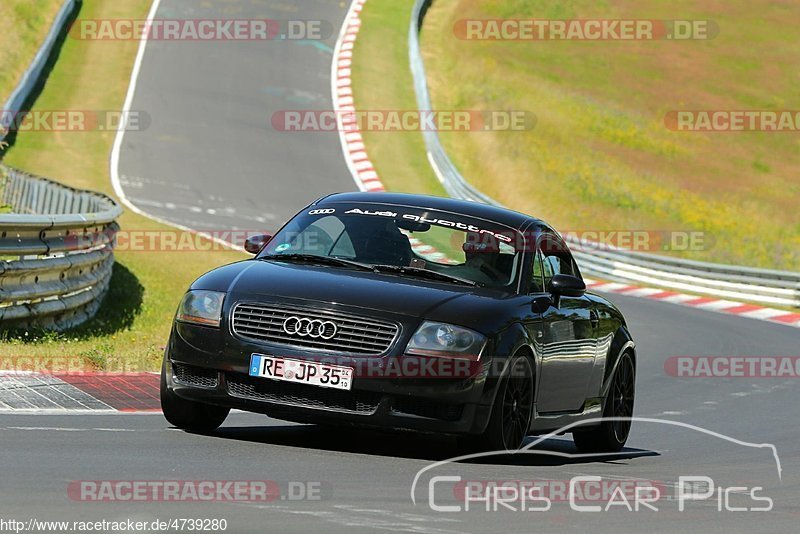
(313, 328)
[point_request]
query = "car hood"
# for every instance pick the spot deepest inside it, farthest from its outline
(350, 287)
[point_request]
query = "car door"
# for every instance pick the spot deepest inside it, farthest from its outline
(565, 336)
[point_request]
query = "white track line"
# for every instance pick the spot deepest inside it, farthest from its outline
(115, 151)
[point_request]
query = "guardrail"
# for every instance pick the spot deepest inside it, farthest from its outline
(13, 106)
(727, 281)
(56, 251)
(56, 242)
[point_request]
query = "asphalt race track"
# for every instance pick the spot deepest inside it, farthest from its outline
(211, 161)
(365, 478)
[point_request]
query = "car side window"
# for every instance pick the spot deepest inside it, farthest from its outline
(551, 268)
(556, 260)
(562, 264)
(537, 273)
(575, 270)
(567, 263)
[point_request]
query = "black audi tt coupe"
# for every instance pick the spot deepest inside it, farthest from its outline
(405, 312)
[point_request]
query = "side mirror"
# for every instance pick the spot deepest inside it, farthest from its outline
(255, 243)
(567, 285)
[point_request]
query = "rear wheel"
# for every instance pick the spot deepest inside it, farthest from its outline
(512, 410)
(186, 414)
(612, 434)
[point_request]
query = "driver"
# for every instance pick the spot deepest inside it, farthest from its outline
(482, 253)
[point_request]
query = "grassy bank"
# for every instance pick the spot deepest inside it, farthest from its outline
(25, 26)
(600, 156)
(133, 323)
(382, 81)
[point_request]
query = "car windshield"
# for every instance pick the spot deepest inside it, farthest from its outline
(404, 241)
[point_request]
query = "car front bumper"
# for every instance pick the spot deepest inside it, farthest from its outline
(208, 366)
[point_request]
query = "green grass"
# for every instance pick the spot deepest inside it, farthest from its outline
(382, 81)
(600, 156)
(133, 323)
(25, 25)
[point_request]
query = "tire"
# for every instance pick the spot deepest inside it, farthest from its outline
(512, 410)
(611, 436)
(186, 414)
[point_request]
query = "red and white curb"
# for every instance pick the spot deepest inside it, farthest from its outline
(355, 154)
(32, 392)
(730, 307)
(358, 161)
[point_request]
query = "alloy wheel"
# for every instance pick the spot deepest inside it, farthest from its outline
(517, 403)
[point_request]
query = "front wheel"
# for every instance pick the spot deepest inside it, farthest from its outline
(186, 414)
(613, 432)
(512, 410)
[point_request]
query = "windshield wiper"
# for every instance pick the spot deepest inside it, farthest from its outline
(312, 258)
(425, 273)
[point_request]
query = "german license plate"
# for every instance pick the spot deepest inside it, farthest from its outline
(304, 372)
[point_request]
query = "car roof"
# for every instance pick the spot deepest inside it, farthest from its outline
(504, 216)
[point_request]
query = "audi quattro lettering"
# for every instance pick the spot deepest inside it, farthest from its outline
(405, 312)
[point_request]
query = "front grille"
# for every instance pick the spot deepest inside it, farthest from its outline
(302, 395)
(194, 376)
(427, 408)
(354, 335)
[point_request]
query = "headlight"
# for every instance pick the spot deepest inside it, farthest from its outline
(201, 307)
(446, 341)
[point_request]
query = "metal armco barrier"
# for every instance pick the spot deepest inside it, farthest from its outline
(726, 281)
(35, 70)
(56, 242)
(56, 251)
